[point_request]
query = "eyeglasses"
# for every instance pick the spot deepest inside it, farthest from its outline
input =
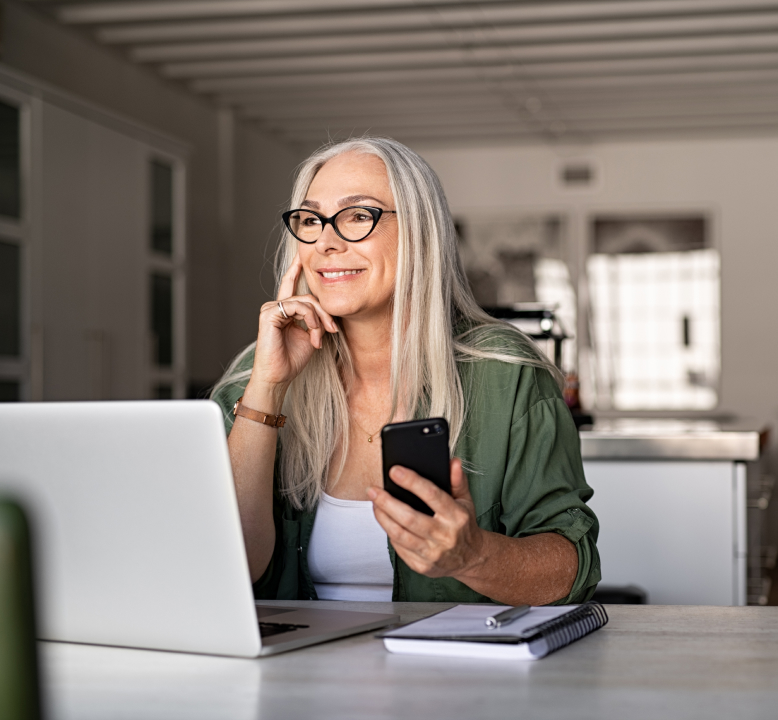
(352, 224)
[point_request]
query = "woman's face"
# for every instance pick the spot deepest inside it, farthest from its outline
(370, 266)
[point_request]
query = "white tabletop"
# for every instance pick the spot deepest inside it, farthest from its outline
(648, 662)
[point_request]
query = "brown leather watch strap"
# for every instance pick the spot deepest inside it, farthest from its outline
(275, 421)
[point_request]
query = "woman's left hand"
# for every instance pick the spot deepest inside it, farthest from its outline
(447, 544)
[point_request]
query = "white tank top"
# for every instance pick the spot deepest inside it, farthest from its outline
(348, 554)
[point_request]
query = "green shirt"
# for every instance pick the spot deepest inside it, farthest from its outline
(525, 475)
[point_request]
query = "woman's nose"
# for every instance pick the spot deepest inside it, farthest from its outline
(329, 241)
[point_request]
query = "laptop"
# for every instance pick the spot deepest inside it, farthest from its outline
(137, 536)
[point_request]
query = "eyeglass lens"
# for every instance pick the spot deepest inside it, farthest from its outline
(352, 223)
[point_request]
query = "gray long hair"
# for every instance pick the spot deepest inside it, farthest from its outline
(432, 302)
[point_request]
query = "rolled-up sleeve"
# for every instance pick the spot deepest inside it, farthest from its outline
(544, 489)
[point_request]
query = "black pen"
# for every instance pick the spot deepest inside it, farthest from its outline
(507, 616)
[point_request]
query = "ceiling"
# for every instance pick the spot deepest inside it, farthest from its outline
(453, 71)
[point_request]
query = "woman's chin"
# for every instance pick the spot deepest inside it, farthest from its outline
(353, 308)
(353, 312)
(341, 309)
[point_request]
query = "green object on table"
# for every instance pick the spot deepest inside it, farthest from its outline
(19, 691)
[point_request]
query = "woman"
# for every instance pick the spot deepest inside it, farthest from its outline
(374, 323)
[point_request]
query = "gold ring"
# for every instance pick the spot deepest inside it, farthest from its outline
(283, 312)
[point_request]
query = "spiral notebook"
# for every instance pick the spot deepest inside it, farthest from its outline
(462, 632)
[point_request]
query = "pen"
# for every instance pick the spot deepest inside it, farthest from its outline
(507, 616)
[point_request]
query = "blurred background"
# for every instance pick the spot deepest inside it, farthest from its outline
(612, 163)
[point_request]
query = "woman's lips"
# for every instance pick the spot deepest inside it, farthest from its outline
(335, 274)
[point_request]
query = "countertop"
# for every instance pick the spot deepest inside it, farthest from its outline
(665, 439)
(649, 662)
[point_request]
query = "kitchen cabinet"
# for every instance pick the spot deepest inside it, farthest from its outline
(671, 497)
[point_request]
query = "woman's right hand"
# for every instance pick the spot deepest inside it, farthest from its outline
(283, 347)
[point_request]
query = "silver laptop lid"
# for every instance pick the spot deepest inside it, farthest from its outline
(136, 524)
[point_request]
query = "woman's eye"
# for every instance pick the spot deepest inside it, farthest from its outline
(310, 221)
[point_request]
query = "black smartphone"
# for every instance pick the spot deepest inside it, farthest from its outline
(421, 446)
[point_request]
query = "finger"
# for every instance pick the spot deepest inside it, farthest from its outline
(410, 549)
(298, 310)
(327, 320)
(399, 535)
(294, 310)
(460, 488)
(288, 282)
(418, 564)
(272, 311)
(402, 513)
(436, 498)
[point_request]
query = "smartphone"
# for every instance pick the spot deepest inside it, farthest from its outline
(421, 446)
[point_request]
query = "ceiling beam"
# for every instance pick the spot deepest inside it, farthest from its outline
(338, 79)
(504, 77)
(577, 133)
(613, 107)
(120, 11)
(445, 140)
(579, 18)
(699, 114)
(151, 10)
(660, 49)
(589, 126)
(433, 119)
(311, 40)
(440, 92)
(310, 96)
(373, 107)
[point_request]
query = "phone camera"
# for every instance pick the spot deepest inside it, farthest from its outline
(437, 429)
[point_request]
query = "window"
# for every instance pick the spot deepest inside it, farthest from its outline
(654, 308)
(9, 391)
(161, 207)
(10, 170)
(166, 263)
(10, 299)
(14, 335)
(644, 334)
(162, 319)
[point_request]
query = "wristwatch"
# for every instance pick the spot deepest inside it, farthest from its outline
(275, 421)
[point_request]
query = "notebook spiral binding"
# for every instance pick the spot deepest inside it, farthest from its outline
(571, 627)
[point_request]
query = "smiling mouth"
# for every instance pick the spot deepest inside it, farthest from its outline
(339, 273)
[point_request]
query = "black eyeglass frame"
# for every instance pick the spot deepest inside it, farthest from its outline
(375, 212)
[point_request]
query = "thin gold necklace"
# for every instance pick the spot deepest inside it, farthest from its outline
(369, 435)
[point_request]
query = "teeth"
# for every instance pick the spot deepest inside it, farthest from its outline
(342, 272)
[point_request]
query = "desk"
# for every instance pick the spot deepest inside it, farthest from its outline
(648, 662)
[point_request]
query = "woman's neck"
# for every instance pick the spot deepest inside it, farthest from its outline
(369, 343)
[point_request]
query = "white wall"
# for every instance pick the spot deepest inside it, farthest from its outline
(734, 180)
(221, 252)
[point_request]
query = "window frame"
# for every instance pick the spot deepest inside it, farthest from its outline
(174, 265)
(18, 231)
(585, 248)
